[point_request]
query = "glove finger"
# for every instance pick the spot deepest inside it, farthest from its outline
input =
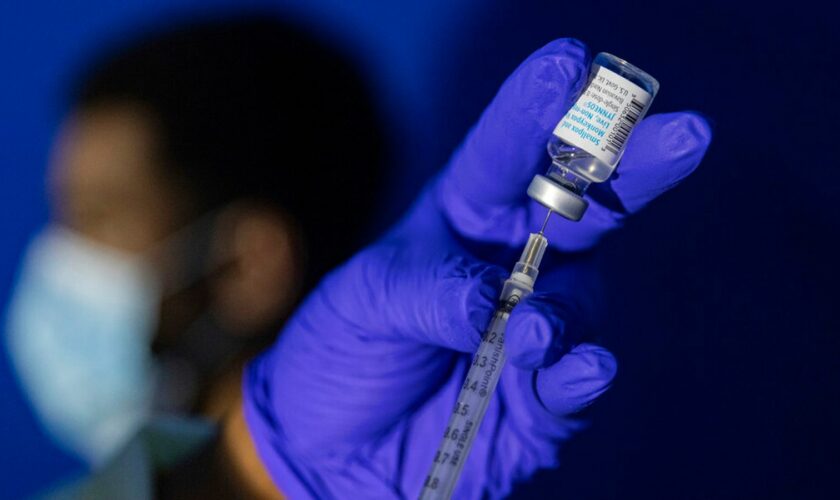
(507, 146)
(663, 150)
(392, 292)
(541, 329)
(576, 380)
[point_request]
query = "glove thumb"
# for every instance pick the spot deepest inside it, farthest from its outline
(576, 380)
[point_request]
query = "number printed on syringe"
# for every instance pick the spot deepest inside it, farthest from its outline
(482, 378)
(470, 407)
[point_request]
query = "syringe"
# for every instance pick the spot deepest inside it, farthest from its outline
(577, 162)
(482, 376)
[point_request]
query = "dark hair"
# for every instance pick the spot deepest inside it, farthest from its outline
(253, 108)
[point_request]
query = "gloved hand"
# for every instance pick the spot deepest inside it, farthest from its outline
(352, 400)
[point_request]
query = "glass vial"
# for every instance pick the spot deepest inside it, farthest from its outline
(588, 142)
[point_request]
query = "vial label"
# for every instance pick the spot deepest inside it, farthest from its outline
(604, 115)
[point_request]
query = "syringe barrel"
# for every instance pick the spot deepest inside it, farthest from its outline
(482, 377)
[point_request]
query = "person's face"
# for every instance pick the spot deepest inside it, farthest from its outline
(105, 181)
(108, 183)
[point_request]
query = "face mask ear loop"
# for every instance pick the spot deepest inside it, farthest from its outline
(206, 345)
(193, 249)
(191, 245)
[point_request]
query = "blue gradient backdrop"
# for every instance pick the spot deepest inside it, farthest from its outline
(724, 298)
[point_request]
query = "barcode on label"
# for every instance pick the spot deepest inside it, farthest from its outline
(625, 125)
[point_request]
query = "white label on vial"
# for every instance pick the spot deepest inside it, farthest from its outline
(603, 116)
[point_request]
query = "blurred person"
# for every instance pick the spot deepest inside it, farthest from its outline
(202, 179)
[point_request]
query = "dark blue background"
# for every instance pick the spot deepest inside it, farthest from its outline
(724, 315)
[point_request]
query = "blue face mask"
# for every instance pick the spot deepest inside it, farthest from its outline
(79, 330)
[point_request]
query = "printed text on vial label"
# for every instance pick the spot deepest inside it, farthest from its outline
(603, 116)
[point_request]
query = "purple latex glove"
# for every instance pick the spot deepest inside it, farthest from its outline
(352, 400)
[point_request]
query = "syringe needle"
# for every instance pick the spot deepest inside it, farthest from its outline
(545, 222)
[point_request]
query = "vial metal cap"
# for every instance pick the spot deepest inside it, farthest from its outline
(557, 198)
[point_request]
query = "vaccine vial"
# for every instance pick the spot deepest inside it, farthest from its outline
(588, 142)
